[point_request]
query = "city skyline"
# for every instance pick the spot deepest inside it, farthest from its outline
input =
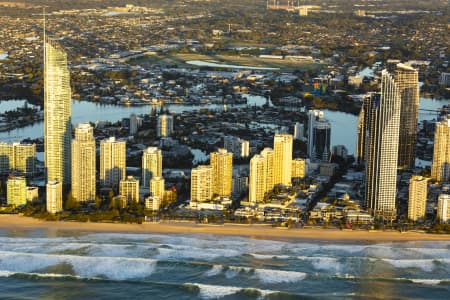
(225, 150)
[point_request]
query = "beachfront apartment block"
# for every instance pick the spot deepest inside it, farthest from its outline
(54, 196)
(112, 162)
(443, 209)
(129, 188)
(16, 191)
(83, 164)
(440, 168)
(417, 202)
(222, 172)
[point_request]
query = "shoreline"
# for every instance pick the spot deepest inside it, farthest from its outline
(266, 232)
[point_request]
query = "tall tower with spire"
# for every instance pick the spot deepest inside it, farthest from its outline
(57, 112)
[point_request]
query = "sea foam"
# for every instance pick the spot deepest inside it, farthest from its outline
(116, 268)
(207, 291)
(279, 276)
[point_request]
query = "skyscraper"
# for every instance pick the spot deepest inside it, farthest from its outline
(417, 202)
(54, 197)
(201, 183)
(407, 79)
(57, 113)
(440, 169)
(268, 155)
(222, 166)
(83, 163)
(382, 152)
(319, 136)
(151, 164)
(112, 162)
(165, 126)
(258, 173)
(363, 126)
(282, 159)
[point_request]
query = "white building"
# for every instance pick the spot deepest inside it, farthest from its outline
(151, 164)
(417, 202)
(54, 197)
(16, 191)
(83, 164)
(57, 113)
(382, 153)
(152, 203)
(112, 162)
(443, 211)
(129, 188)
(157, 187)
(201, 183)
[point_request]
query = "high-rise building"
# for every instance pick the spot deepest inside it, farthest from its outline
(363, 127)
(16, 190)
(129, 189)
(112, 162)
(382, 151)
(440, 169)
(257, 181)
(407, 79)
(6, 158)
(269, 156)
(298, 168)
(57, 113)
(83, 164)
(164, 126)
(239, 147)
(54, 197)
(240, 184)
(151, 164)
(299, 129)
(443, 211)
(222, 166)
(319, 136)
(282, 159)
(18, 157)
(417, 202)
(157, 188)
(201, 183)
(135, 123)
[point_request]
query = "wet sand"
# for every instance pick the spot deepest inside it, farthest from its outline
(16, 222)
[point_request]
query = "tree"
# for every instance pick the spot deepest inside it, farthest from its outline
(71, 203)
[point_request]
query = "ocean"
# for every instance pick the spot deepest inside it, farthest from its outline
(49, 264)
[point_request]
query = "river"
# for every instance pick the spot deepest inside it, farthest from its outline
(343, 131)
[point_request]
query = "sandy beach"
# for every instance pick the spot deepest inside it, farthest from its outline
(15, 222)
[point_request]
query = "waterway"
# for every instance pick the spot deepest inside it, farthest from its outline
(343, 130)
